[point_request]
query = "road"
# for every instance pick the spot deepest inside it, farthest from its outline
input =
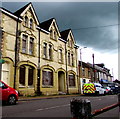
(56, 107)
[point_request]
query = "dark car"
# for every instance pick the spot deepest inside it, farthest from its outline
(8, 94)
(114, 88)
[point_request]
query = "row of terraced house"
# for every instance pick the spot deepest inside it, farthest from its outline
(39, 57)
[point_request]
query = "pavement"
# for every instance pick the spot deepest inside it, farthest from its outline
(24, 98)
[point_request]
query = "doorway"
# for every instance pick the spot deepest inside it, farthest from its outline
(61, 81)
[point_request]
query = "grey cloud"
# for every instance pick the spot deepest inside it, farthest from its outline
(77, 15)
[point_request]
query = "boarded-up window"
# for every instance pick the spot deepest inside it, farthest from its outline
(47, 77)
(71, 80)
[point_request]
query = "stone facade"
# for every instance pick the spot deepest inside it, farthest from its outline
(37, 55)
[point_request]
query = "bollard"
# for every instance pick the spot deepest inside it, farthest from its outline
(81, 109)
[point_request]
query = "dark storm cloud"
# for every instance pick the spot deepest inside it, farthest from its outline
(79, 15)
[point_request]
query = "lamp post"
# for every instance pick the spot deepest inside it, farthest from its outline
(80, 87)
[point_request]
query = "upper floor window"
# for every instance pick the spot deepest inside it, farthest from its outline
(31, 46)
(26, 21)
(55, 35)
(24, 43)
(60, 55)
(89, 75)
(72, 58)
(83, 71)
(45, 50)
(51, 34)
(50, 52)
(31, 23)
(68, 58)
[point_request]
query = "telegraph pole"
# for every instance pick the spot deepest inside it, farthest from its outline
(93, 67)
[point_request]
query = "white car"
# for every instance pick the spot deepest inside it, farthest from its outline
(99, 89)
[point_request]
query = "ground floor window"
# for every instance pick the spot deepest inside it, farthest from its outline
(71, 80)
(22, 76)
(47, 77)
(26, 75)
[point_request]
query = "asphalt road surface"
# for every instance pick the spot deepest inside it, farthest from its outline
(56, 107)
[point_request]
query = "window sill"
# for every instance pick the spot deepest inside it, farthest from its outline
(72, 86)
(28, 54)
(48, 59)
(47, 86)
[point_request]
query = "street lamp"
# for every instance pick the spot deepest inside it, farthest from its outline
(80, 87)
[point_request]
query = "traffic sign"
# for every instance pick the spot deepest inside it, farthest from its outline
(2, 61)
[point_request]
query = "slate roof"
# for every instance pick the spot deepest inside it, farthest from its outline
(46, 24)
(18, 12)
(64, 34)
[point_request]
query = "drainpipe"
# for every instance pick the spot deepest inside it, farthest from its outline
(66, 69)
(16, 53)
(38, 73)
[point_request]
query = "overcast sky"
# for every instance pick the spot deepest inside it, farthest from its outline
(94, 25)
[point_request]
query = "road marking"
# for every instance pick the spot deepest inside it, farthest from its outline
(52, 107)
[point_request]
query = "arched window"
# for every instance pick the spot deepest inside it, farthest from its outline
(55, 35)
(29, 78)
(47, 77)
(30, 75)
(26, 21)
(31, 23)
(71, 80)
(22, 76)
(51, 34)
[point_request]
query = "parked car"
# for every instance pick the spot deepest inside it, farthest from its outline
(108, 90)
(93, 88)
(115, 89)
(9, 94)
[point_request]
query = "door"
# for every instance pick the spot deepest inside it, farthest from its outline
(61, 81)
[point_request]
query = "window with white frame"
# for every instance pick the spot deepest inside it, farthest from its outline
(47, 77)
(24, 43)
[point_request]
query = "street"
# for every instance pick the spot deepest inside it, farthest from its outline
(56, 107)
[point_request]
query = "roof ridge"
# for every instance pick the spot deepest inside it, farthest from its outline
(19, 11)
